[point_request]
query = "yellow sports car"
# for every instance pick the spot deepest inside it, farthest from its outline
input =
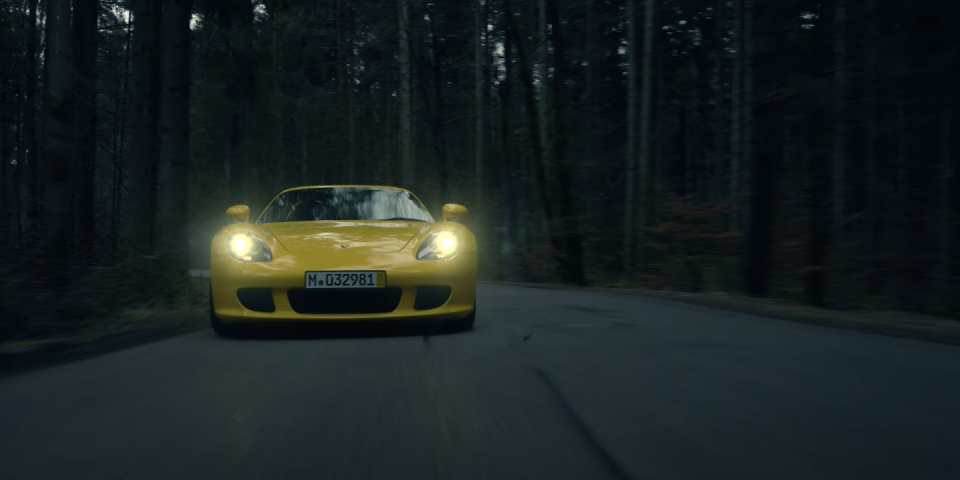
(343, 253)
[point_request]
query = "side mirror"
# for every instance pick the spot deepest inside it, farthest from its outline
(453, 211)
(240, 213)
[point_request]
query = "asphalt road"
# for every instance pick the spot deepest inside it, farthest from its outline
(549, 385)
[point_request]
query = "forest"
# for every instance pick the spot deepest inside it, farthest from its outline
(789, 149)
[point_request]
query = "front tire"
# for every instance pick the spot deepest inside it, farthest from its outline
(220, 327)
(466, 323)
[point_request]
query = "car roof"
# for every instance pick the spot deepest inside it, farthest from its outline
(307, 187)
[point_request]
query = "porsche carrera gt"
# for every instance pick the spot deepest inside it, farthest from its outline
(343, 253)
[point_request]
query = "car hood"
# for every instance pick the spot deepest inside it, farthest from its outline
(315, 237)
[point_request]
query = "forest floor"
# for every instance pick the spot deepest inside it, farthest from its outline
(881, 322)
(129, 327)
(123, 327)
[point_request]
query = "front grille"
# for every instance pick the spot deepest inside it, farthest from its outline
(433, 296)
(256, 299)
(338, 301)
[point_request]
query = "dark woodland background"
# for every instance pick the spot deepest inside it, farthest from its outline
(779, 148)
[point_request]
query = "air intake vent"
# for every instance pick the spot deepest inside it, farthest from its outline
(340, 301)
(256, 299)
(431, 297)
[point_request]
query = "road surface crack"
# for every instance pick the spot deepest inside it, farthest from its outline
(602, 453)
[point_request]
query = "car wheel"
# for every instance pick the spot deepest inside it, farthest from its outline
(466, 323)
(220, 327)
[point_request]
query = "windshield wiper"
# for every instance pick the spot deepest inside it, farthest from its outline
(403, 219)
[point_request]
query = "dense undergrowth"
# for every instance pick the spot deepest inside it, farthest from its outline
(38, 301)
(695, 247)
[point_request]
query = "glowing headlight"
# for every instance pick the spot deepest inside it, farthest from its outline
(439, 246)
(248, 247)
(447, 243)
(240, 245)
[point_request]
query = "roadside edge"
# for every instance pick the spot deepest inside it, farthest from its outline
(888, 323)
(61, 353)
(53, 354)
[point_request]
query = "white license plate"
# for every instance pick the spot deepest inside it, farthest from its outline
(346, 279)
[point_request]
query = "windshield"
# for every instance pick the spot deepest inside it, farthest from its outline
(345, 203)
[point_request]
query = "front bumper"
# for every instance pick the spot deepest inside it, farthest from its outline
(274, 291)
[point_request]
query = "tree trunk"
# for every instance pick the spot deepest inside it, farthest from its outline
(304, 156)
(591, 79)
(590, 130)
(236, 20)
(543, 59)
(816, 183)
(539, 155)
(175, 129)
(629, 227)
(645, 182)
(838, 163)
(479, 27)
(413, 100)
(736, 112)
(720, 134)
(407, 164)
(27, 168)
(351, 115)
(767, 130)
(902, 200)
(59, 151)
(747, 101)
(571, 261)
(140, 207)
(689, 135)
(947, 214)
(120, 125)
(530, 102)
(6, 149)
(343, 163)
(389, 146)
(439, 134)
(278, 100)
(509, 165)
(873, 70)
(85, 14)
